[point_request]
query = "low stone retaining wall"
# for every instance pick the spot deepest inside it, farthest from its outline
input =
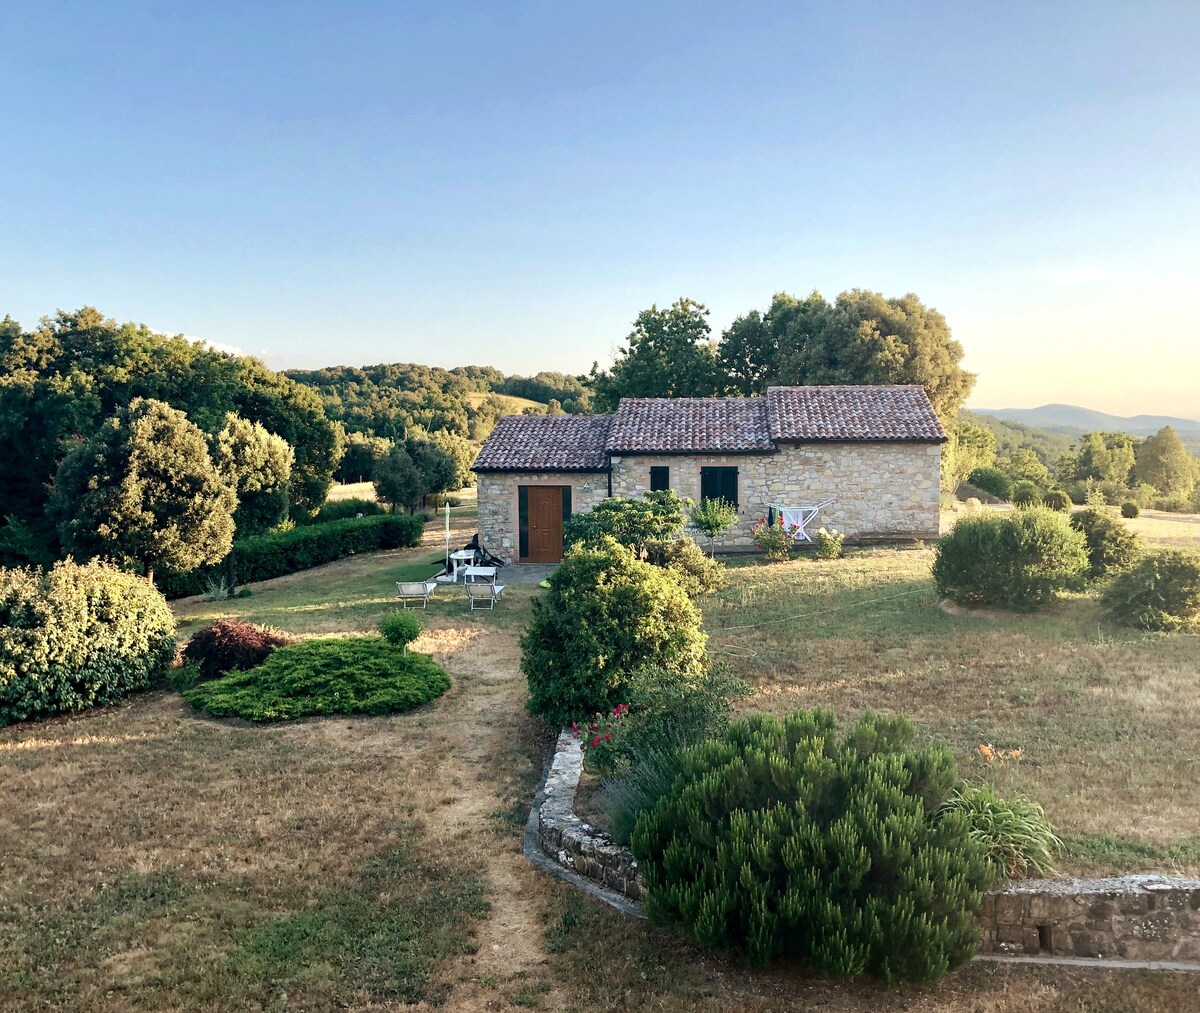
(1135, 918)
(1128, 917)
(570, 841)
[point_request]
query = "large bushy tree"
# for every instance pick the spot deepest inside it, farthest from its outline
(257, 465)
(144, 490)
(1163, 461)
(60, 381)
(1100, 457)
(669, 353)
(861, 338)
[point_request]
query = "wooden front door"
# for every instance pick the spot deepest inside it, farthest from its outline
(545, 524)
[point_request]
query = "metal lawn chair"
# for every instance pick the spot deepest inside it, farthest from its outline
(483, 594)
(800, 518)
(412, 591)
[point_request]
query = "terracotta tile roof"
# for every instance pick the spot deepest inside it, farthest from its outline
(804, 414)
(699, 425)
(546, 443)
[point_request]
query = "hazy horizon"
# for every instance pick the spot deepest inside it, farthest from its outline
(510, 187)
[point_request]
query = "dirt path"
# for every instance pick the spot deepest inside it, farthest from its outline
(459, 771)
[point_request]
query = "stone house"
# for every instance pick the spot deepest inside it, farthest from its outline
(874, 453)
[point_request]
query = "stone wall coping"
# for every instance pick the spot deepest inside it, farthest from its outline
(1138, 920)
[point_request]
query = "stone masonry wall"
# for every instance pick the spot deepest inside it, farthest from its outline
(498, 519)
(1139, 918)
(1126, 917)
(881, 491)
(570, 841)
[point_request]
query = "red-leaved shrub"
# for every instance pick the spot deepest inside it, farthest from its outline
(230, 644)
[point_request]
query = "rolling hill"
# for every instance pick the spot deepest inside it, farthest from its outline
(1071, 420)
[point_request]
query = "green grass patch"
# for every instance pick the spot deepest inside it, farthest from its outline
(383, 934)
(1101, 854)
(352, 675)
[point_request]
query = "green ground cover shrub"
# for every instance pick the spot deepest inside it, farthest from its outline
(605, 615)
(1026, 493)
(790, 838)
(1161, 592)
(329, 675)
(1111, 546)
(78, 636)
(993, 481)
(1021, 560)
(1015, 832)
(657, 516)
(279, 553)
(1130, 510)
(232, 645)
(1058, 500)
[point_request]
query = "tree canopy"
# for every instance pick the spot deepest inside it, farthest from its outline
(1163, 461)
(144, 490)
(669, 353)
(861, 338)
(61, 380)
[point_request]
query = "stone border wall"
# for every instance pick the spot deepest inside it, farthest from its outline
(1128, 917)
(1146, 918)
(570, 841)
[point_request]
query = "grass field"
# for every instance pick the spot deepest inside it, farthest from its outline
(512, 405)
(154, 859)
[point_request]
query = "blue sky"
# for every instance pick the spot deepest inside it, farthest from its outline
(511, 184)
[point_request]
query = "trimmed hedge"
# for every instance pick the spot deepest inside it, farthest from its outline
(329, 675)
(279, 553)
(343, 510)
(1021, 560)
(78, 636)
(992, 481)
(232, 645)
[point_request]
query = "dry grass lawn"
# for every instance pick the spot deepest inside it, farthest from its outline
(154, 859)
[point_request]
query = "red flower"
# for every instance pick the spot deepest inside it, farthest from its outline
(596, 741)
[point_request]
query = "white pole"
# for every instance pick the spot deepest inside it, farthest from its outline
(447, 537)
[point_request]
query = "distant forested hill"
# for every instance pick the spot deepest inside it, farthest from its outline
(390, 399)
(1072, 420)
(1011, 436)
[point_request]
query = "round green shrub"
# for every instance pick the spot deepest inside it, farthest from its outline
(700, 574)
(993, 481)
(400, 627)
(605, 615)
(1130, 510)
(78, 636)
(332, 675)
(1111, 546)
(232, 645)
(1058, 500)
(1015, 832)
(1162, 592)
(1026, 493)
(786, 838)
(1021, 560)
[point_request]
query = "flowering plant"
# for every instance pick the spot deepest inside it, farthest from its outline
(599, 737)
(774, 540)
(828, 543)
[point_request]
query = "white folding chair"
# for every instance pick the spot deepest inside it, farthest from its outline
(412, 591)
(483, 594)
